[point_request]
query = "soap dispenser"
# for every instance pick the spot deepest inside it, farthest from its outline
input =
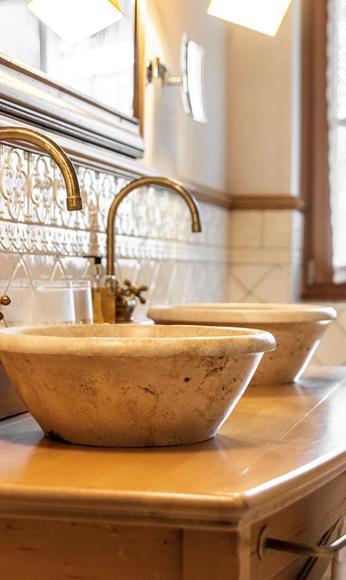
(96, 276)
(111, 301)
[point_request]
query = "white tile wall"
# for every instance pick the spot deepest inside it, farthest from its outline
(266, 256)
(246, 233)
(261, 261)
(154, 244)
(39, 238)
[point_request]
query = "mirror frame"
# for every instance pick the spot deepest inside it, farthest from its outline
(29, 95)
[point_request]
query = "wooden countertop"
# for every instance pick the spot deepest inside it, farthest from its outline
(280, 443)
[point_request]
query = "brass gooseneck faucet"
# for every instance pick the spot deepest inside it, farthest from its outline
(125, 298)
(14, 134)
(23, 135)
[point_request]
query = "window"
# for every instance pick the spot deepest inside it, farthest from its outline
(324, 147)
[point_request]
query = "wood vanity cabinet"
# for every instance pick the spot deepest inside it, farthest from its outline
(182, 513)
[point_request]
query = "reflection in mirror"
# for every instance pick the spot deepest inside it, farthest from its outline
(101, 66)
(96, 15)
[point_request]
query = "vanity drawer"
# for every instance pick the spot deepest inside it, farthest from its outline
(65, 550)
(306, 521)
(36, 549)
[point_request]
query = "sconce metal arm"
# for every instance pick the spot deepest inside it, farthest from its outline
(157, 70)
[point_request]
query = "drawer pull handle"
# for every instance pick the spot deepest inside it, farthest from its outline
(326, 551)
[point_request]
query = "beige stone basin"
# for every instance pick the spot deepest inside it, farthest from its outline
(297, 328)
(131, 385)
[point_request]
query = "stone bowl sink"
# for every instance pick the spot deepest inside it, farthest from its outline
(131, 385)
(297, 329)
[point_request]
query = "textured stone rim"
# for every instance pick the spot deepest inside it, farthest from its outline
(246, 313)
(180, 340)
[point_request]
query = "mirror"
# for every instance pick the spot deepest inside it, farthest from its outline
(87, 86)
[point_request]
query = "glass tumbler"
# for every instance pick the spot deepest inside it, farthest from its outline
(54, 303)
(82, 302)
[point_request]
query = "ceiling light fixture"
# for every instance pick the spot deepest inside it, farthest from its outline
(261, 15)
(76, 20)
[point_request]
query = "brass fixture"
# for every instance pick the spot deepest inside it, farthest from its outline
(157, 70)
(322, 550)
(73, 199)
(123, 298)
(4, 301)
(126, 300)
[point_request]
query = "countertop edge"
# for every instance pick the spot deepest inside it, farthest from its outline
(219, 512)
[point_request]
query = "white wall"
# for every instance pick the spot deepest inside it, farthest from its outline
(260, 110)
(175, 143)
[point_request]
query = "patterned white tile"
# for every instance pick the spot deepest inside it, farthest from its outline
(246, 229)
(276, 282)
(154, 242)
(277, 229)
(237, 290)
(260, 256)
(250, 275)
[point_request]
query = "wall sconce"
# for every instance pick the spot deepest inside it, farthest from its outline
(261, 15)
(77, 20)
(191, 79)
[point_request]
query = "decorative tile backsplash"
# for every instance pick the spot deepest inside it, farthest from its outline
(39, 238)
(246, 256)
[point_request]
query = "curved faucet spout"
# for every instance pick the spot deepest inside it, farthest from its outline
(13, 134)
(165, 182)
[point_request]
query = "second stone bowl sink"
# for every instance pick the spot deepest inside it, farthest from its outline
(297, 329)
(131, 385)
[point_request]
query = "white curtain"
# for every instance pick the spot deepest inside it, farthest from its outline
(337, 132)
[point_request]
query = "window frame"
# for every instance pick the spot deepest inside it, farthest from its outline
(317, 268)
